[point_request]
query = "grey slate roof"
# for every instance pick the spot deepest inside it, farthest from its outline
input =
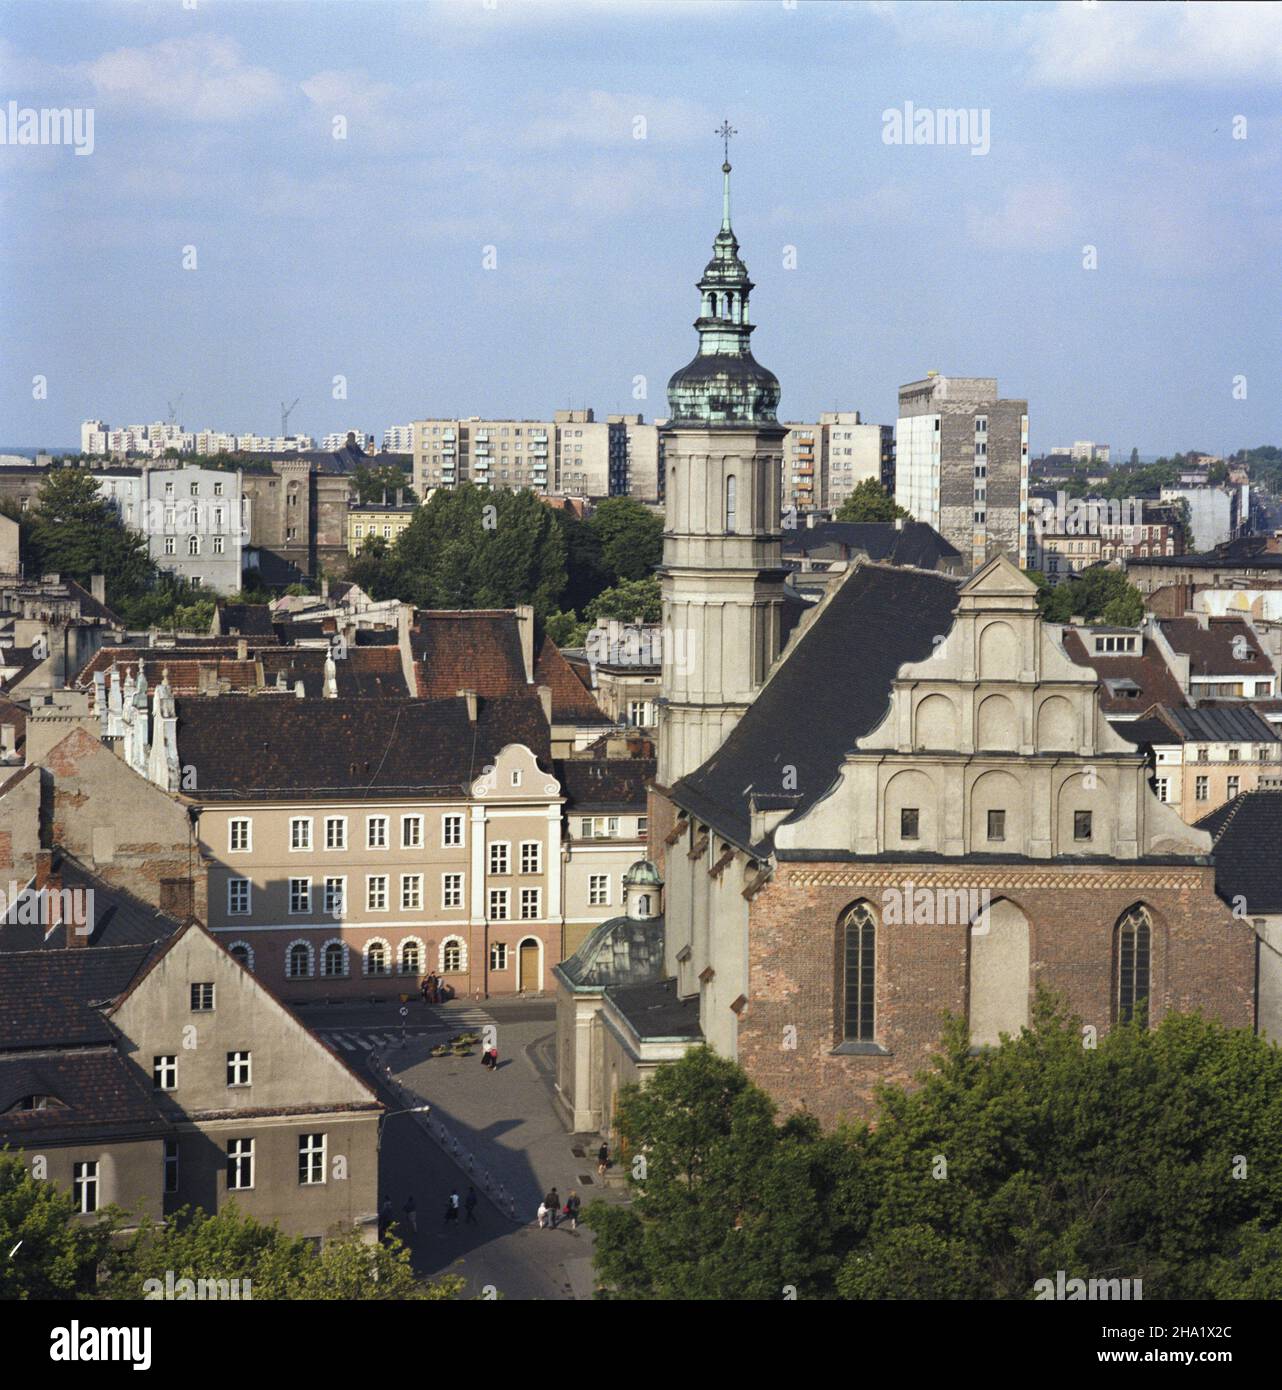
(49, 998)
(119, 918)
(100, 1092)
(1248, 849)
(1223, 724)
(621, 951)
(654, 1012)
(833, 688)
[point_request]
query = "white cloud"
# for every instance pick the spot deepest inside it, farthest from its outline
(609, 118)
(203, 78)
(1031, 217)
(1075, 45)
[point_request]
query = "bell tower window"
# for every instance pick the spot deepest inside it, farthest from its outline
(730, 505)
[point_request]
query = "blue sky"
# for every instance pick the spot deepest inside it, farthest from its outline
(514, 126)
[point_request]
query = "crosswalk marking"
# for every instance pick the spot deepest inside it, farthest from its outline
(443, 1025)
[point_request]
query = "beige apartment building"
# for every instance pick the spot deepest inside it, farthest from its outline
(572, 454)
(823, 463)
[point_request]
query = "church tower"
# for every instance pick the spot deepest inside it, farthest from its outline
(722, 574)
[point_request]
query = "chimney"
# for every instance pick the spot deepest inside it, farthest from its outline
(470, 697)
(8, 740)
(44, 866)
(324, 586)
(98, 587)
(300, 691)
(525, 630)
(545, 699)
(242, 650)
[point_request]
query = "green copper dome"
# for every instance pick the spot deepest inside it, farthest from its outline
(724, 384)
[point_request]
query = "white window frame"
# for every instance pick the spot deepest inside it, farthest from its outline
(389, 959)
(336, 911)
(370, 881)
(531, 856)
(247, 822)
(300, 890)
(452, 886)
(164, 1071)
(416, 822)
(534, 895)
(341, 823)
(370, 823)
(419, 946)
(303, 823)
(498, 955)
(598, 890)
(500, 850)
(344, 956)
(84, 1185)
(308, 957)
(452, 824)
(241, 1152)
(461, 968)
(316, 1159)
(499, 902)
(248, 887)
(240, 1063)
(412, 882)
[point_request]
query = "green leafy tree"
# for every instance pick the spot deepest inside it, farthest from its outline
(629, 599)
(565, 630)
(45, 1249)
(870, 502)
(381, 482)
(725, 1201)
(631, 537)
(74, 532)
(586, 570)
(194, 1244)
(1098, 595)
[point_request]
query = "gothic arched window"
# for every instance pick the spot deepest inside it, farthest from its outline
(860, 946)
(1133, 956)
(731, 502)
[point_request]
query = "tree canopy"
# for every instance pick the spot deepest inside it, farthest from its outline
(1097, 595)
(1148, 1154)
(870, 502)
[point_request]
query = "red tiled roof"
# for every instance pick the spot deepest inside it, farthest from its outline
(1224, 646)
(1148, 671)
(571, 702)
(476, 650)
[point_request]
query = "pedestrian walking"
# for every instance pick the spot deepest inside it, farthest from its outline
(571, 1211)
(469, 1205)
(451, 1208)
(603, 1159)
(553, 1203)
(493, 1056)
(411, 1213)
(543, 1215)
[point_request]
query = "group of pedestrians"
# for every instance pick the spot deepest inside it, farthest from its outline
(435, 990)
(453, 1205)
(552, 1212)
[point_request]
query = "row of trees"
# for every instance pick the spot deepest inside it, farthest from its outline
(1151, 1155)
(53, 1254)
(473, 547)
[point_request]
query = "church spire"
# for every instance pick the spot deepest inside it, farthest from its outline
(724, 384)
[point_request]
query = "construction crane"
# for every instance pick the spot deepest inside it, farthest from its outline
(173, 409)
(285, 412)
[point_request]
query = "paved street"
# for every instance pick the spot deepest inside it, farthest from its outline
(506, 1122)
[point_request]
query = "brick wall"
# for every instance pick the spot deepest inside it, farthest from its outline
(1202, 958)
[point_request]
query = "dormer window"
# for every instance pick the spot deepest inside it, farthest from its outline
(37, 1101)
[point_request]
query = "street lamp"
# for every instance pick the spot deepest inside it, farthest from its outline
(387, 1115)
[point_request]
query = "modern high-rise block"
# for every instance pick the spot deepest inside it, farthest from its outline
(961, 464)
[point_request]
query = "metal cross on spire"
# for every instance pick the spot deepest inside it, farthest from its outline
(726, 130)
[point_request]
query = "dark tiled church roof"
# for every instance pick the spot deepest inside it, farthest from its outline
(622, 951)
(833, 688)
(1248, 850)
(90, 1093)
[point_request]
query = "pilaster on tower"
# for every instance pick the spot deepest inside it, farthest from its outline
(722, 574)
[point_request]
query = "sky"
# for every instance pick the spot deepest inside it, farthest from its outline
(525, 191)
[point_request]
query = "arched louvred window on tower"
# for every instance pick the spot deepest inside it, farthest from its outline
(1133, 955)
(859, 945)
(731, 504)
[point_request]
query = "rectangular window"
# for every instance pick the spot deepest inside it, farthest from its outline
(335, 832)
(1234, 754)
(84, 1185)
(411, 832)
(531, 857)
(530, 903)
(451, 890)
(498, 904)
(164, 1073)
(1163, 789)
(171, 1165)
(202, 998)
(598, 890)
(300, 895)
(240, 1165)
(1234, 786)
(1081, 825)
(452, 830)
(1202, 755)
(909, 821)
(411, 892)
(237, 897)
(376, 832)
(499, 858)
(1201, 789)
(997, 825)
(238, 835)
(311, 1159)
(643, 824)
(376, 893)
(335, 896)
(498, 955)
(238, 1068)
(300, 832)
